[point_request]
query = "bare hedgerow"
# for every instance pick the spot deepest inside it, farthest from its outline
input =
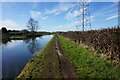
(105, 41)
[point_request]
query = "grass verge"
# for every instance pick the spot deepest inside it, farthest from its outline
(44, 65)
(86, 63)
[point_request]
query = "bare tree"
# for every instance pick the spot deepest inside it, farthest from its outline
(32, 25)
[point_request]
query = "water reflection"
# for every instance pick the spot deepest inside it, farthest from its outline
(32, 44)
(5, 41)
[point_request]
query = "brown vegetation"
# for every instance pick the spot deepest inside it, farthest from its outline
(106, 41)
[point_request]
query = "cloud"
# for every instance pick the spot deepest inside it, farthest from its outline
(44, 17)
(53, 11)
(64, 6)
(106, 10)
(35, 14)
(57, 13)
(39, 15)
(92, 18)
(58, 9)
(67, 27)
(111, 17)
(69, 16)
(76, 13)
(72, 14)
(10, 24)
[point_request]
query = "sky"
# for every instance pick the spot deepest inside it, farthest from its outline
(57, 16)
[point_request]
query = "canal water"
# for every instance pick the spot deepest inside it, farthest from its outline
(16, 53)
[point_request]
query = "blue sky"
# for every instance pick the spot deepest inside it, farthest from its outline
(57, 16)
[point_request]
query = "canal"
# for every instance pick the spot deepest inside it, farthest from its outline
(16, 53)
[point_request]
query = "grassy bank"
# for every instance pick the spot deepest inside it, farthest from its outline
(18, 37)
(86, 63)
(44, 65)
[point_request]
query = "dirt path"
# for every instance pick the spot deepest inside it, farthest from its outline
(65, 65)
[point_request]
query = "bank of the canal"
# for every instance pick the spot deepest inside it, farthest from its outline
(84, 62)
(44, 65)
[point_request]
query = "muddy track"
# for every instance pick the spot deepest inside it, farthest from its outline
(65, 65)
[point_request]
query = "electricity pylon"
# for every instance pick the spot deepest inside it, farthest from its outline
(84, 19)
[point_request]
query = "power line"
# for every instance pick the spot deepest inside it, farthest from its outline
(84, 15)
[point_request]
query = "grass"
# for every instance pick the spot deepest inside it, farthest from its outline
(86, 63)
(44, 65)
(17, 37)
